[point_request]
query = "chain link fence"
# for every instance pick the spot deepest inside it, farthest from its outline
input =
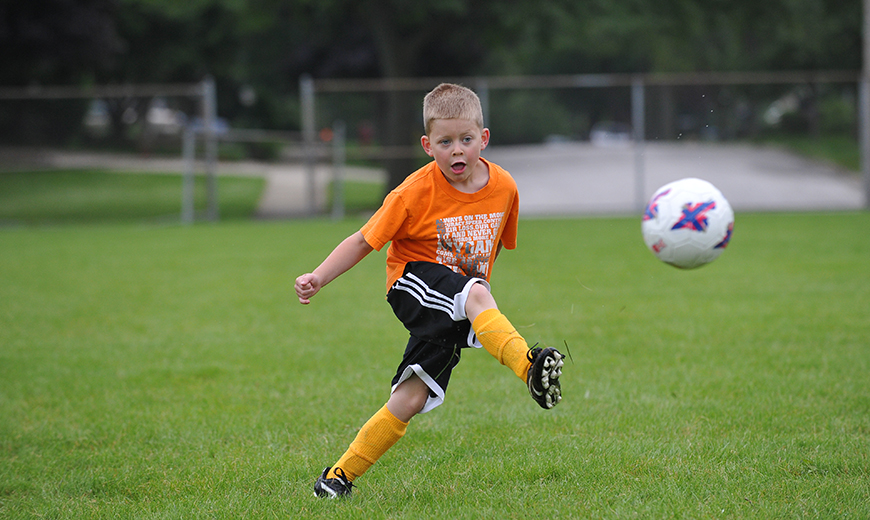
(800, 108)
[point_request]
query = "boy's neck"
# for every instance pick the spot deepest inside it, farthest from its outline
(476, 182)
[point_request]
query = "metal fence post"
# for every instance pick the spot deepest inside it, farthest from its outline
(187, 183)
(209, 116)
(339, 141)
(637, 123)
(483, 93)
(864, 134)
(306, 98)
(864, 107)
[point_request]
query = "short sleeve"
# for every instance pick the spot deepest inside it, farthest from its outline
(509, 234)
(387, 223)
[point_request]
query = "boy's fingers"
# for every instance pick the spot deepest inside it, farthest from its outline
(305, 288)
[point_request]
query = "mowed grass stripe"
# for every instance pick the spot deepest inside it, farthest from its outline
(97, 196)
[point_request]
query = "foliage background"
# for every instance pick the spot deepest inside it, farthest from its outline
(267, 44)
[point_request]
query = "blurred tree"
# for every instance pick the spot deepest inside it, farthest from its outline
(384, 38)
(417, 40)
(680, 35)
(263, 46)
(50, 42)
(56, 41)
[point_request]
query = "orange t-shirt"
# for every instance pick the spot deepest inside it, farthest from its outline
(427, 219)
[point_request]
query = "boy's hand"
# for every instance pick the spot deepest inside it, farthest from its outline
(307, 286)
(346, 255)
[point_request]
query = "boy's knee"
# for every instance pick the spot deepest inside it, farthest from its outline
(418, 401)
(479, 300)
(478, 290)
(408, 399)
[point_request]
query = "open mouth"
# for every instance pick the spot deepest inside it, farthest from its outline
(457, 167)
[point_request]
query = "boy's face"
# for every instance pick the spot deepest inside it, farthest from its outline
(455, 144)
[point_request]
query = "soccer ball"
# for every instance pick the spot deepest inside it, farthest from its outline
(687, 223)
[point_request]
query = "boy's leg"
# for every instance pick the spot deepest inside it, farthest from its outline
(496, 333)
(408, 398)
(540, 368)
(383, 429)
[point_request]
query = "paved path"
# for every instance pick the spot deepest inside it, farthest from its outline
(562, 179)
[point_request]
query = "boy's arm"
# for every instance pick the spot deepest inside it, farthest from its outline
(346, 255)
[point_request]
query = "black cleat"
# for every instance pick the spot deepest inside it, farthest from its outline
(332, 487)
(543, 378)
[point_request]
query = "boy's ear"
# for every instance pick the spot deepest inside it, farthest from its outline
(484, 138)
(427, 145)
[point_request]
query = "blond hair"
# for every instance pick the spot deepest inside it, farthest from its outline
(450, 101)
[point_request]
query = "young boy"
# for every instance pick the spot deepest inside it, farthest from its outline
(446, 223)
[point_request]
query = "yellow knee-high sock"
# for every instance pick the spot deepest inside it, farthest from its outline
(502, 340)
(376, 436)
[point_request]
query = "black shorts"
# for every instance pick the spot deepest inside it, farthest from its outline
(429, 299)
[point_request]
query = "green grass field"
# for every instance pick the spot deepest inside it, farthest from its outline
(837, 149)
(85, 196)
(154, 371)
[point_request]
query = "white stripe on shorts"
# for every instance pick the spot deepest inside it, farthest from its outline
(425, 295)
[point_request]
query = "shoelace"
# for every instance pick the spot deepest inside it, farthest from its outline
(535, 350)
(342, 477)
(533, 353)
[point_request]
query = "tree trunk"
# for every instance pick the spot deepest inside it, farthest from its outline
(401, 119)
